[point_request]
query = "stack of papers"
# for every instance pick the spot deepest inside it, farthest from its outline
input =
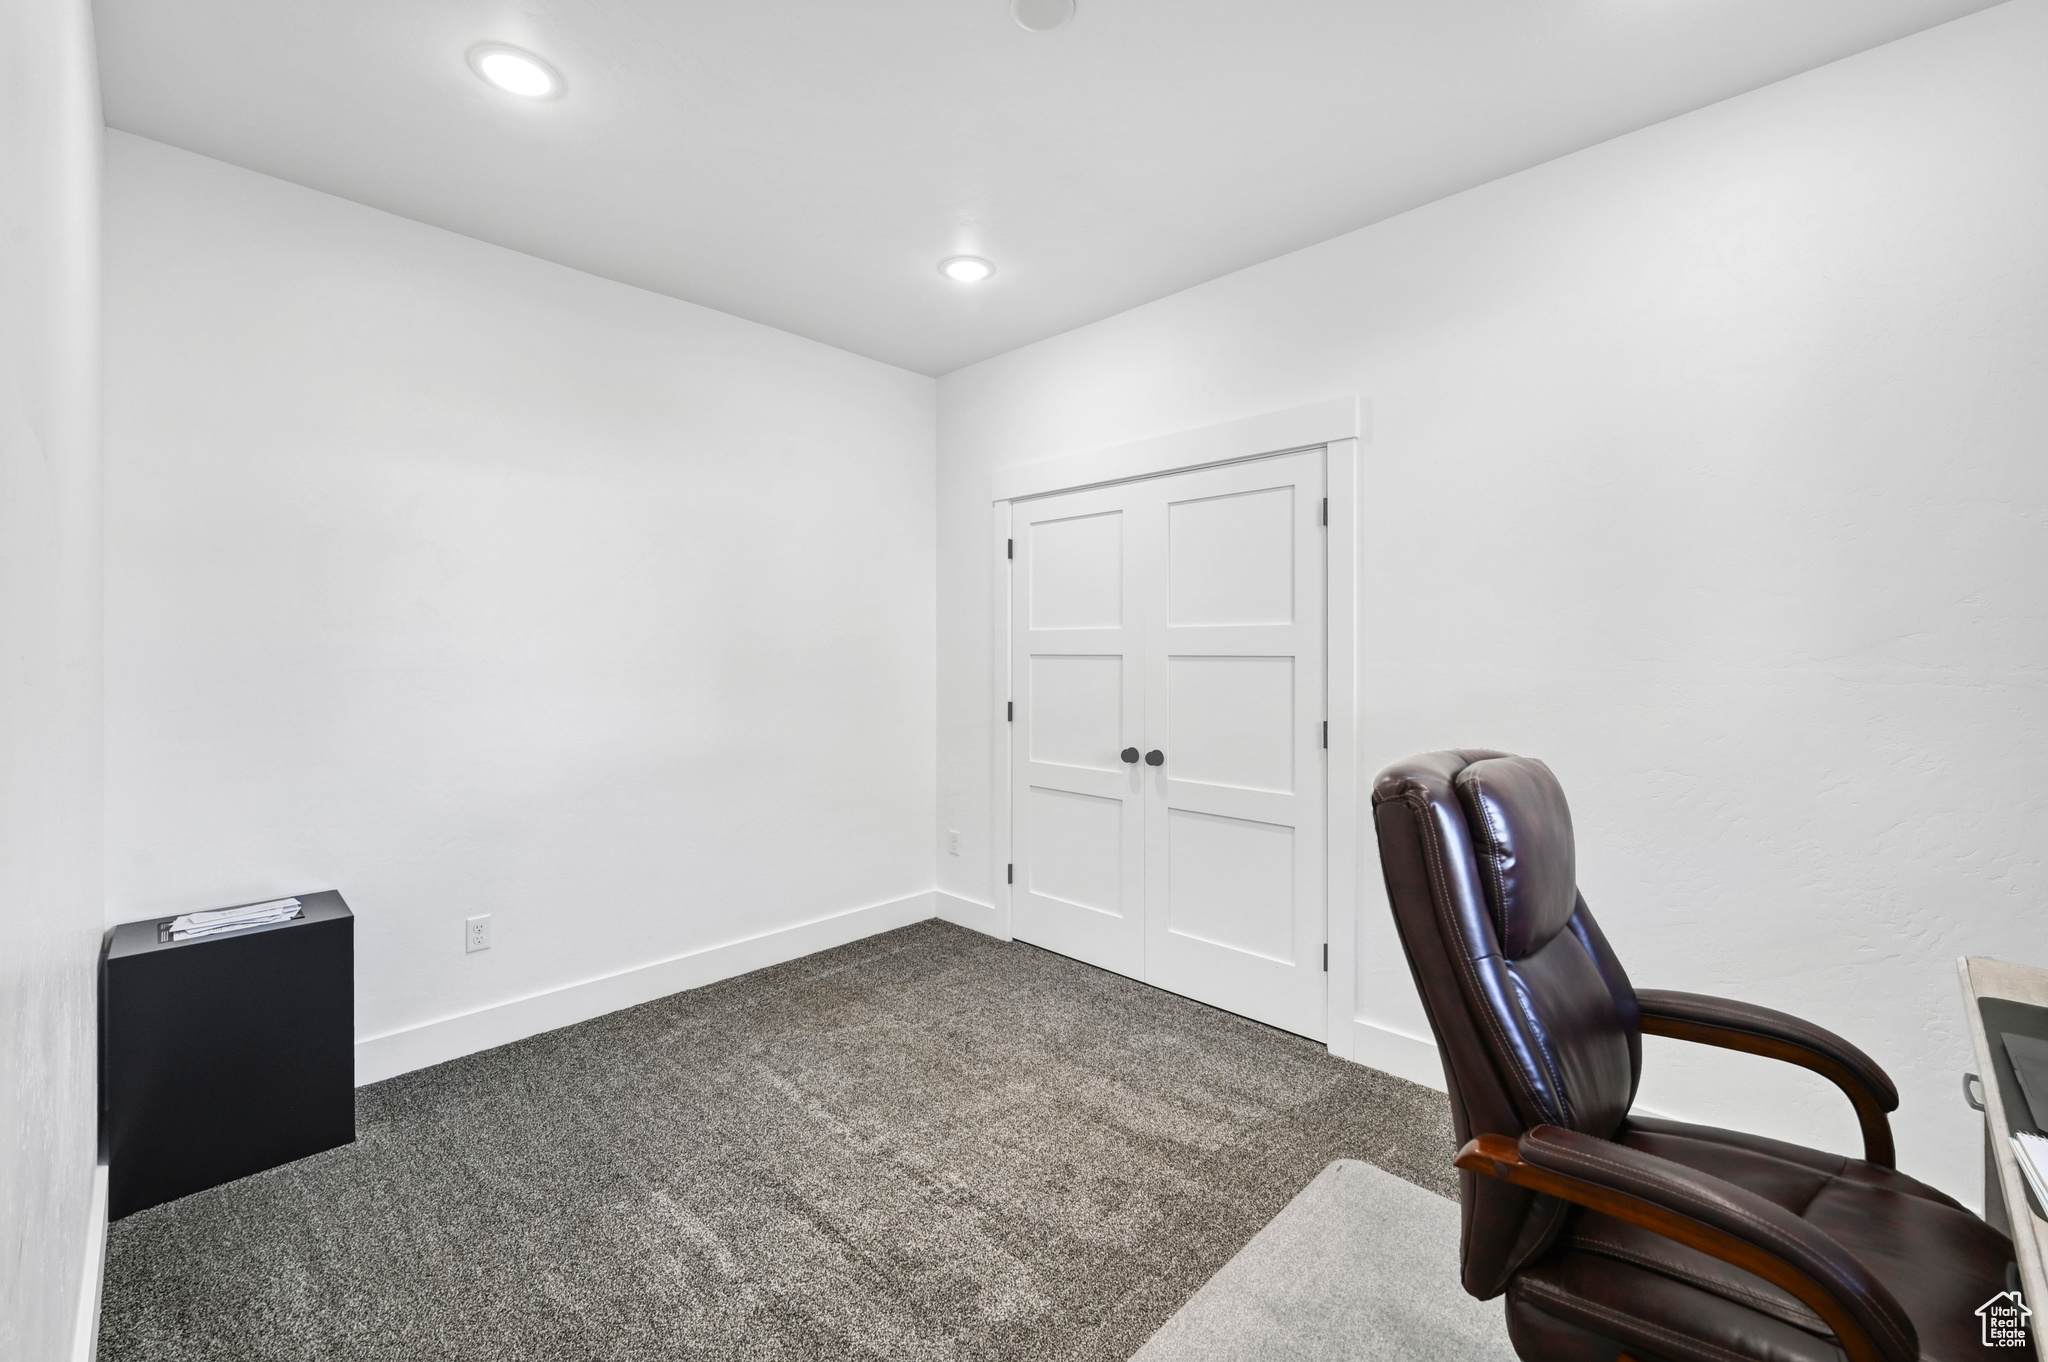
(233, 919)
(2031, 1151)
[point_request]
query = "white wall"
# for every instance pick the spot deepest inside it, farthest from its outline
(1707, 465)
(466, 583)
(49, 671)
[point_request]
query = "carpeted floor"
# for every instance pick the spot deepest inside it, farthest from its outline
(925, 1145)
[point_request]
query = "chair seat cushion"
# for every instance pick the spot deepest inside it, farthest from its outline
(1662, 1299)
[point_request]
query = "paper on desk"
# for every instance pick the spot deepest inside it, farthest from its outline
(2030, 1151)
(217, 920)
(213, 915)
(232, 926)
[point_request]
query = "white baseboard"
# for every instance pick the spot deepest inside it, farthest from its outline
(982, 917)
(1398, 1053)
(435, 1042)
(85, 1332)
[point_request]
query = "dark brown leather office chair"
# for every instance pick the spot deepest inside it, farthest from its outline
(1618, 1235)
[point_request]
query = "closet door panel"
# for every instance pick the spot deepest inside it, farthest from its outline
(1077, 678)
(1233, 657)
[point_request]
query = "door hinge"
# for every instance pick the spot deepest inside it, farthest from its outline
(1326, 733)
(1009, 548)
(1010, 877)
(1010, 715)
(1326, 957)
(1326, 510)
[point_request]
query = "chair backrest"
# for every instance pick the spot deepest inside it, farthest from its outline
(1533, 1015)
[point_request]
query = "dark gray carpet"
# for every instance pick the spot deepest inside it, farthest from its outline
(926, 1145)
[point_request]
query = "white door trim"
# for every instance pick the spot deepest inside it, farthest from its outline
(1340, 655)
(1338, 426)
(1254, 437)
(999, 849)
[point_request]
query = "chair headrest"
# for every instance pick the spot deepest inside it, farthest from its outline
(1522, 832)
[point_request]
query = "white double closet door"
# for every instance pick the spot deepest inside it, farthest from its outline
(1177, 620)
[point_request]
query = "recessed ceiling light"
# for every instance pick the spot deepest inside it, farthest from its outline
(516, 72)
(1041, 16)
(966, 269)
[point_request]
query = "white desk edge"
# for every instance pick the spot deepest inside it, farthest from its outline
(1983, 977)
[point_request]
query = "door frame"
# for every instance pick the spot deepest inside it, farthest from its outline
(1336, 426)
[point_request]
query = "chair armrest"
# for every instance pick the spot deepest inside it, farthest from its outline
(1711, 1215)
(1779, 1035)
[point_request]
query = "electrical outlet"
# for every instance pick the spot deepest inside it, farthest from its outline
(952, 841)
(478, 937)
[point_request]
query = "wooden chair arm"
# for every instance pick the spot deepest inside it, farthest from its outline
(1716, 1217)
(1732, 1025)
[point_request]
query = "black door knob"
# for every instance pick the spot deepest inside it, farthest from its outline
(1130, 754)
(1155, 758)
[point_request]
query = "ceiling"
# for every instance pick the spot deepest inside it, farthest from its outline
(807, 165)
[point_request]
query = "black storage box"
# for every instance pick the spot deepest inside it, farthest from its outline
(226, 1055)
